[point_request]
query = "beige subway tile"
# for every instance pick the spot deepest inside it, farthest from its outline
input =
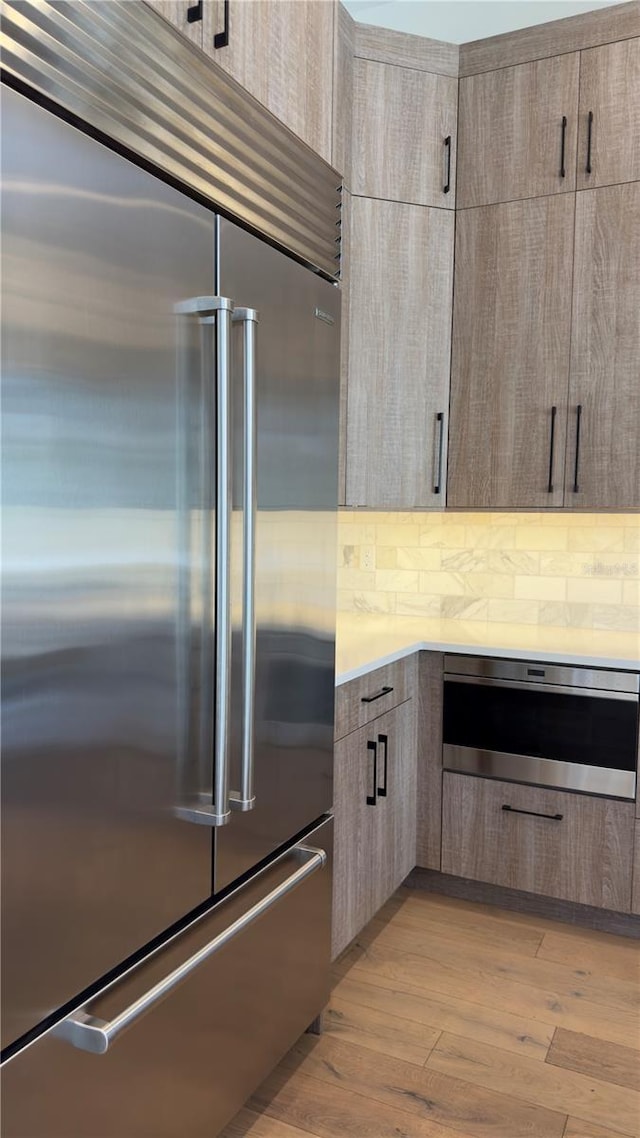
(465, 560)
(490, 537)
(530, 588)
(465, 608)
(348, 556)
(506, 518)
(414, 557)
(353, 533)
(437, 536)
(560, 614)
(594, 590)
(386, 557)
(622, 618)
(514, 561)
(489, 585)
(631, 593)
(632, 539)
(397, 581)
(443, 583)
(586, 564)
(597, 539)
(356, 579)
(418, 604)
(397, 535)
(514, 612)
(371, 602)
(541, 537)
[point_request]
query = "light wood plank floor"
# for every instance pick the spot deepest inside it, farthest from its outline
(457, 1020)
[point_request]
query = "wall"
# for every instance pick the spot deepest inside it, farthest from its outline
(556, 570)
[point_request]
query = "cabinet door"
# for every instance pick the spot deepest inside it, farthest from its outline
(355, 890)
(401, 121)
(511, 343)
(635, 896)
(511, 132)
(610, 93)
(282, 53)
(399, 351)
(571, 846)
(176, 12)
(395, 855)
(603, 455)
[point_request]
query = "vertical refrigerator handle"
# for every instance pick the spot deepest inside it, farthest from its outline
(244, 799)
(215, 705)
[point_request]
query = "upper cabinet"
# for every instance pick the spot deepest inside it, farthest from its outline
(181, 14)
(609, 134)
(511, 342)
(404, 134)
(603, 455)
(517, 131)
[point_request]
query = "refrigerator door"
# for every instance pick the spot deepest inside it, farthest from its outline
(189, 1063)
(297, 341)
(101, 555)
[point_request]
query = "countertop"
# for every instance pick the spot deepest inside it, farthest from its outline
(365, 641)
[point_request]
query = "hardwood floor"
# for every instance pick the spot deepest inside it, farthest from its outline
(456, 1020)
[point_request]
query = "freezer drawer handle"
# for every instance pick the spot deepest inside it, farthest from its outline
(88, 1033)
(244, 799)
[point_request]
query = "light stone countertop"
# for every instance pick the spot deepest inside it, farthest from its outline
(365, 641)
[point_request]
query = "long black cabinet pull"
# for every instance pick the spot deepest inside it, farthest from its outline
(554, 412)
(589, 140)
(378, 695)
(447, 185)
(437, 489)
(562, 146)
(576, 469)
(194, 13)
(383, 741)
(371, 798)
(534, 813)
(221, 39)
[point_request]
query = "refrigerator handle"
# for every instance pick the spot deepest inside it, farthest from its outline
(88, 1033)
(217, 311)
(244, 799)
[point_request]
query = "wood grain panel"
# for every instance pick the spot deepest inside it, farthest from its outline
(344, 49)
(510, 131)
(536, 1083)
(345, 327)
(635, 897)
(555, 37)
(401, 118)
(585, 857)
(429, 693)
(511, 343)
(352, 712)
(283, 54)
(404, 50)
(605, 348)
(399, 352)
(608, 1062)
(610, 88)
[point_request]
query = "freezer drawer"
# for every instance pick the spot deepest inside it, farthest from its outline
(187, 1064)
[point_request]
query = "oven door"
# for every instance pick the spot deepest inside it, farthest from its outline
(546, 734)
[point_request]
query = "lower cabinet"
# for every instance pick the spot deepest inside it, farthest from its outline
(635, 896)
(569, 846)
(375, 819)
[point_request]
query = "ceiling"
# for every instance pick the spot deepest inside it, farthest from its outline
(459, 21)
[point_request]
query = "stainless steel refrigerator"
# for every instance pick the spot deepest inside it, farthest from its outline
(169, 453)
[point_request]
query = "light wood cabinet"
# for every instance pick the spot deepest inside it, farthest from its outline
(635, 895)
(570, 846)
(176, 12)
(511, 344)
(603, 466)
(400, 294)
(375, 795)
(517, 132)
(609, 141)
(428, 695)
(404, 134)
(365, 698)
(282, 52)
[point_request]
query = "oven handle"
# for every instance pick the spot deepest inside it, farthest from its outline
(540, 689)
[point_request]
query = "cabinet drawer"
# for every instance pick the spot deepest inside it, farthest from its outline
(569, 846)
(363, 699)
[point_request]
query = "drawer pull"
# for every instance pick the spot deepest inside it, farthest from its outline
(371, 798)
(534, 813)
(378, 695)
(384, 742)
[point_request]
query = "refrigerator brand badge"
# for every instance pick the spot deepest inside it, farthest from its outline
(322, 315)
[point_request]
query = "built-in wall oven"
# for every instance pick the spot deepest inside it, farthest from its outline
(545, 724)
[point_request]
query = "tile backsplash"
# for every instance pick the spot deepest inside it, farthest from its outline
(561, 570)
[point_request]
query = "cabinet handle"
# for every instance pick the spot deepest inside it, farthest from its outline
(194, 13)
(554, 412)
(371, 798)
(534, 813)
(447, 185)
(589, 139)
(576, 468)
(378, 695)
(383, 740)
(437, 489)
(221, 39)
(562, 146)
